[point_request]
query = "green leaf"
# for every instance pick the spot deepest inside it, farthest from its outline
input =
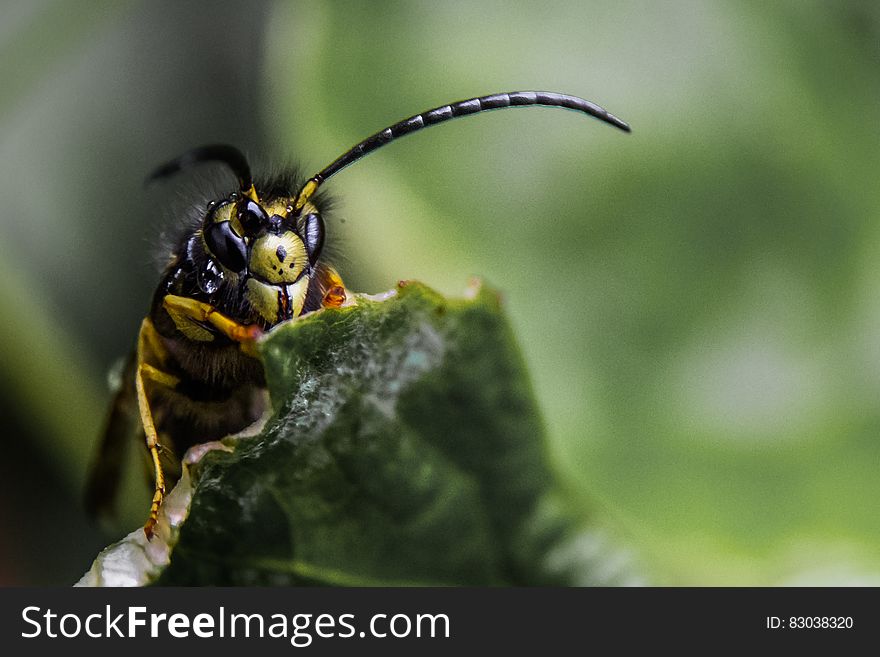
(404, 447)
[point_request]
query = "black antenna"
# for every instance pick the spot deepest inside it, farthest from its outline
(223, 153)
(452, 111)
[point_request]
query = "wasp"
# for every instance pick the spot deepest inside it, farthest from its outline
(252, 261)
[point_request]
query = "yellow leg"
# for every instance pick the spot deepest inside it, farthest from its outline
(146, 339)
(158, 376)
(190, 317)
(154, 344)
(199, 311)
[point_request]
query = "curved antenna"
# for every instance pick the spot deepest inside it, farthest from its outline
(446, 113)
(223, 153)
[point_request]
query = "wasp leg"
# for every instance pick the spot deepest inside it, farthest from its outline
(148, 341)
(332, 287)
(190, 315)
(156, 375)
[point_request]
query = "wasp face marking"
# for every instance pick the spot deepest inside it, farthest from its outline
(277, 303)
(272, 256)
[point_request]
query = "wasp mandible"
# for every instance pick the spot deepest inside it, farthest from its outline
(252, 261)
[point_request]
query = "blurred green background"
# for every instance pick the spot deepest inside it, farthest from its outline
(698, 302)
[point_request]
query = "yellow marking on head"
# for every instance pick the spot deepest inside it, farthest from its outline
(278, 258)
(265, 298)
(278, 206)
(297, 294)
(251, 193)
(224, 212)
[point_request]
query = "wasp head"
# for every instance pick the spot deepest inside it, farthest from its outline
(262, 251)
(270, 249)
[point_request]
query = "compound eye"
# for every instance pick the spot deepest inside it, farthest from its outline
(226, 246)
(252, 217)
(311, 229)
